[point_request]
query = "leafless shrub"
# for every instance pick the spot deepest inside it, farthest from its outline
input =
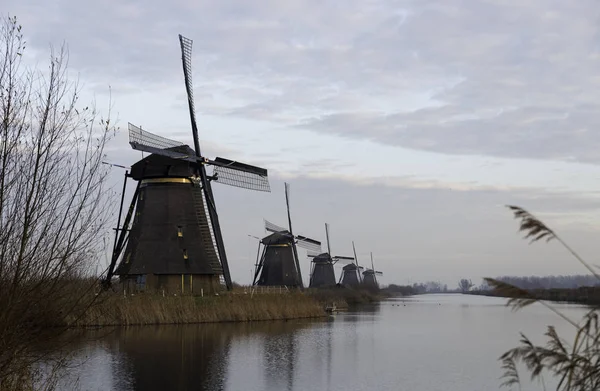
(54, 203)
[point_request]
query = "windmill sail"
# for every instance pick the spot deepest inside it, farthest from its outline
(273, 227)
(313, 246)
(309, 244)
(338, 258)
(229, 172)
(294, 248)
(186, 59)
(145, 141)
(226, 172)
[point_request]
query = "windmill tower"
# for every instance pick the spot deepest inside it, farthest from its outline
(370, 277)
(351, 273)
(322, 274)
(171, 235)
(279, 264)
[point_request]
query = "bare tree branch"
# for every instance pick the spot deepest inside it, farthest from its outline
(54, 202)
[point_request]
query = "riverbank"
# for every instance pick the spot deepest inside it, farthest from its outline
(343, 298)
(584, 295)
(154, 309)
(241, 305)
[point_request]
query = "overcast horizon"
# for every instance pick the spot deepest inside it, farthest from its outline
(405, 125)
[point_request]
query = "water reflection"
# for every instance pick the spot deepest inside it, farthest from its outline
(423, 343)
(192, 356)
(279, 357)
(189, 357)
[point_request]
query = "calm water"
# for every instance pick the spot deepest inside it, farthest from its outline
(430, 342)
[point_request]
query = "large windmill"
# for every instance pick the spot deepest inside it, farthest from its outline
(351, 273)
(279, 264)
(370, 276)
(175, 240)
(322, 274)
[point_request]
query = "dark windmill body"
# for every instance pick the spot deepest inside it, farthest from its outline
(171, 234)
(351, 273)
(370, 277)
(278, 264)
(322, 274)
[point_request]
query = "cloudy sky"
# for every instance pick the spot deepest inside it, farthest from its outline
(406, 125)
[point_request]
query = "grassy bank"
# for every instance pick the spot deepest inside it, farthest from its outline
(150, 309)
(583, 295)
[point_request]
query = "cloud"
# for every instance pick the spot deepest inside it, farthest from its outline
(405, 124)
(497, 78)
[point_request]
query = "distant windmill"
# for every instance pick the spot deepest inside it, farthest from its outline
(322, 273)
(279, 264)
(351, 273)
(370, 276)
(175, 241)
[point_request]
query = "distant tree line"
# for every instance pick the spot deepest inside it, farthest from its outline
(548, 282)
(404, 290)
(523, 282)
(418, 288)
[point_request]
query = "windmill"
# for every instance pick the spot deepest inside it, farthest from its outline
(171, 233)
(351, 273)
(370, 276)
(322, 273)
(279, 264)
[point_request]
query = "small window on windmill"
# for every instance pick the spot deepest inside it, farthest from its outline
(141, 195)
(185, 256)
(141, 282)
(179, 231)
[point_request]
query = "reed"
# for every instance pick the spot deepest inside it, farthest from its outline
(152, 309)
(576, 364)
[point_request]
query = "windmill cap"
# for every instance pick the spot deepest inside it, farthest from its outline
(277, 238)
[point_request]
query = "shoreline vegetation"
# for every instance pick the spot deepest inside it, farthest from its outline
(154, 309)
(243, 304)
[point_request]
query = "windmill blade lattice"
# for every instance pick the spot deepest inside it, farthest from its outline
(343, 260)
(242, 175)
(313, 246)
(273, 227)
(142, 140)
(186, 58)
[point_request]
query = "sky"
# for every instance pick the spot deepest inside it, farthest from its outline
(405, 125)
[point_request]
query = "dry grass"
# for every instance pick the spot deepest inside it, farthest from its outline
(152, 309)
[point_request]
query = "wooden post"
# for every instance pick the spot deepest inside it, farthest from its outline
(191, 284)
(201, 292)
(182, 284)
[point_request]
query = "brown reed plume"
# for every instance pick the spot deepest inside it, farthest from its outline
(578, 366)
(536, 230)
